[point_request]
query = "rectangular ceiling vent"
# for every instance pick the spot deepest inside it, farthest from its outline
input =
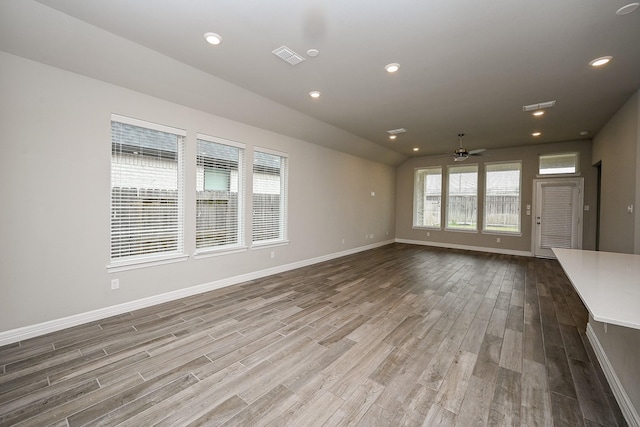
(288, 55)
(396, 131)
(540, 106)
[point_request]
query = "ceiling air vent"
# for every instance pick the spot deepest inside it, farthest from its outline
(539, 106)
(288, 55)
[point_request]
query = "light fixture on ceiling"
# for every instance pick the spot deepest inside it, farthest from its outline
(392, 68)
(393, 136)
(625, 10)
(213, 38)
(536, 134)
(584, 132)
(416, 149)
(599, 62)
(538, 113)
(313, 52)
(315, 94)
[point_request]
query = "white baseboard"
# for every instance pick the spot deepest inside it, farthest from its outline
(628, 410)
(466, 247)
(26, 332)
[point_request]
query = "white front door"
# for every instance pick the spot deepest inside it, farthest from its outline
(557, 222)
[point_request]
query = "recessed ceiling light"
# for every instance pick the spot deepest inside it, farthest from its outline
(314, 94)
(313, 52)
(416, 149)
(393, 136)
(538, 113)
(392, 68)
(599, 62)
(213, 38)
(536, 134)
(625, 10)
(584, 132)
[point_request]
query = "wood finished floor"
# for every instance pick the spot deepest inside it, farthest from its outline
(399, 335)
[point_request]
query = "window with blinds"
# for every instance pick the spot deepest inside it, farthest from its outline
(427, 197)
(558, 164)
(146, 189)
(462, 198)
(219, 193)
(502, 197)
(269, 196)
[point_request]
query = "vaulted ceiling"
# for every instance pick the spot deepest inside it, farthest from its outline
(465, 66)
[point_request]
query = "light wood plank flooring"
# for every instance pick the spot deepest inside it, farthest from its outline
(399, 335)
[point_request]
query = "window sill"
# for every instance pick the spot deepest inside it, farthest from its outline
(502, 233)
(461, 230)
(558, 175)
(207, 253)
(268, 244)
(117, 266)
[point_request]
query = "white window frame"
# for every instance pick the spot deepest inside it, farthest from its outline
(451, 168)
(419, 196)
(487, 166)
(282, 237)
(559, 174)
(239, 243)
(160, 257)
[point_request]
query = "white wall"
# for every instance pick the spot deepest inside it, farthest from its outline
(55, 172)
(616, 146)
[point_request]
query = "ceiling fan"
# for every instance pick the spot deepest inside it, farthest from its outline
(462, 154)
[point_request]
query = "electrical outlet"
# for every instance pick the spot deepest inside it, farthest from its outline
(115, 284)
(498, 240)
(428, 234)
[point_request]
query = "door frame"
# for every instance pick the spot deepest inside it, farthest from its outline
(579, 181)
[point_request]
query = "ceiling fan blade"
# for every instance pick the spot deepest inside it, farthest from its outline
(479, 150)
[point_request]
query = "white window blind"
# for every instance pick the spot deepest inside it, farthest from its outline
(269, 197)
(557, 211)
(462, 197)
(502, 197)
(219, 193)
(427, 197)
(557, 164)
(146, 189)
